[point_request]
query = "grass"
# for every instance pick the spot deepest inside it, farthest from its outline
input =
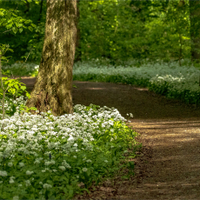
(48, 157)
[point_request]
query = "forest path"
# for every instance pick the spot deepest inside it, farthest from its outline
(169, 164)
(173, 170)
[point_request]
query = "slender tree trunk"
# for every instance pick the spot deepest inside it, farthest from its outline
(53, 86)
(195, 29)
(40, 15)
(78, 37)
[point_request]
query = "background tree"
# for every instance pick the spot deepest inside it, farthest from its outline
(19, 27)
(53, 86)
(12, 23)
(78, 47)
(195, 30)
(118, 30)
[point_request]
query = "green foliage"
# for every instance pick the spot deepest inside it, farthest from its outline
(4, 48)
(55, 172)
(171, 80)
(9, 87)
(15, 87)
(118, 30)
(17, 23)
(87, 162)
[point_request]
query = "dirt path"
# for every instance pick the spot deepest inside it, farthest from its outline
(169, 164)
(174, 167)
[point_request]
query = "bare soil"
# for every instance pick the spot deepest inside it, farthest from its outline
(168, 166)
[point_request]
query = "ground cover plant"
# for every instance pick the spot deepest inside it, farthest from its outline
(59, 155)
(48, 157)
(169, 79)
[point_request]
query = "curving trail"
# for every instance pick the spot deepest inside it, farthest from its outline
(174, 163)
(169, 164)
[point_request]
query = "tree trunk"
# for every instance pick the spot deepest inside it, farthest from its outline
(78, 36)
(40, 15)
(53, 86)
(195, 29)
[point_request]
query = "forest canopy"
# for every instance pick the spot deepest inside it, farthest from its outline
(115, 29)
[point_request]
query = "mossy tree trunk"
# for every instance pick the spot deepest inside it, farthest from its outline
(195, 29)
(53, 86)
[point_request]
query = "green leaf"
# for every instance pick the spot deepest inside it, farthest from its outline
(1, 13)
(21, 30)
(30, 28)
(9, 26)
(28, 95)
(74, 86)
(37, 2)
(16, 86)
(14, 30)
(23, 87)
(131, 164)
(11, 91)
(125, 177)
(131, 156)
(19, 25)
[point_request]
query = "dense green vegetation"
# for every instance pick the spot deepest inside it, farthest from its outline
(145, 43)
(118, 30)
(48, 157)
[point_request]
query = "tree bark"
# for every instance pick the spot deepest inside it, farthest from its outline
(195, 29)
(53, 86)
